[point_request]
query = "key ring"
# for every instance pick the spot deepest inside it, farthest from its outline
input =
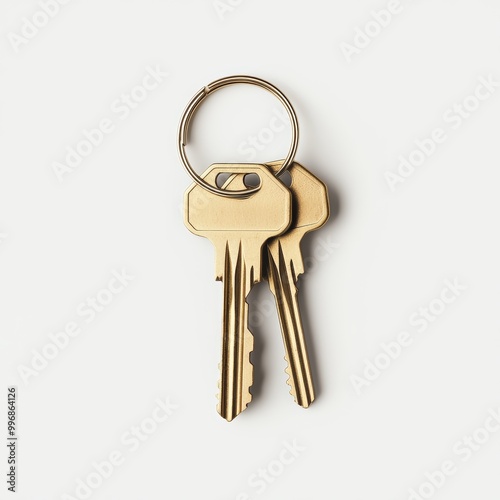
(198, 99)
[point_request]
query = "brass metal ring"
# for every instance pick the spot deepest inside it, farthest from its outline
(198, 99)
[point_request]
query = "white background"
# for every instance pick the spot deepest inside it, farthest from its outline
(390, 251)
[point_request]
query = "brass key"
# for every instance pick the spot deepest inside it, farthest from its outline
(238, 228)
(284, 264)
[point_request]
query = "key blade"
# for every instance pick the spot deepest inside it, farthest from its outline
(285, 264)
(236, 370)
(311, 210)
(238, 228)
(282, 283)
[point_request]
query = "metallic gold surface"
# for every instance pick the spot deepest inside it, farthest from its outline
(238, 228)
(283, 265)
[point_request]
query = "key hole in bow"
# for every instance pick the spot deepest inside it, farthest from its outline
(221, 179)
(251, 180)
(286, 178)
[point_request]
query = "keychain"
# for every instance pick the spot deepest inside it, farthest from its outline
(256, 232)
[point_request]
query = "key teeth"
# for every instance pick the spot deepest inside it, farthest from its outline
(303, 402)
(246, 396)
(289, 381)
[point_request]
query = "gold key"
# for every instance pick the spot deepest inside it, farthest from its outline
(238, 228)
(284, 264)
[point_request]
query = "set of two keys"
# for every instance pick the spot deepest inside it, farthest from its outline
(256, 232)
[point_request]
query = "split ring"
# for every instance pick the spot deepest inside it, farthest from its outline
(199, 98)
